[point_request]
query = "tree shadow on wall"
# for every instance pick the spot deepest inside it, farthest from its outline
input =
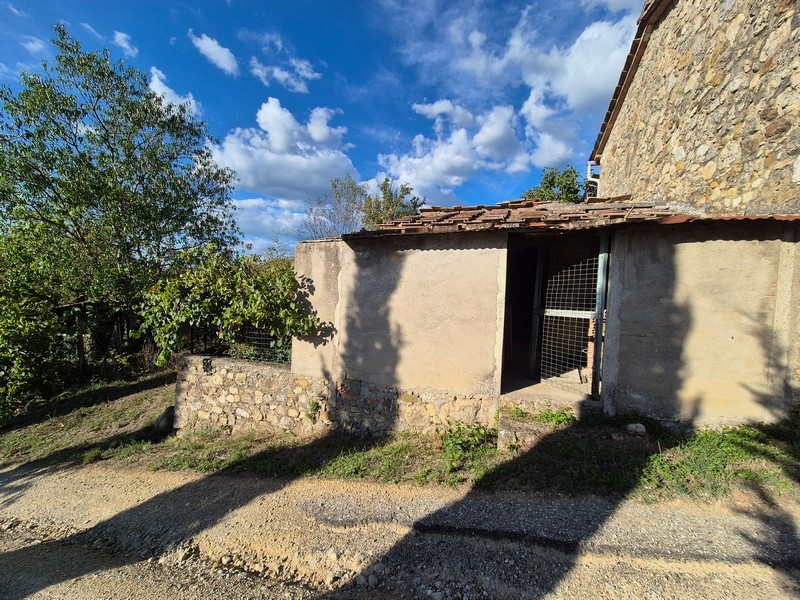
(170, 518)
(778, 444)
(511, 544)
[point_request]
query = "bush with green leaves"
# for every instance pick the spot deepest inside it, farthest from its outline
(215, 291)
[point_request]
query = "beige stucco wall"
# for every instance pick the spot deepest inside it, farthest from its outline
(703, 322)
(410, 312)
(712, 117)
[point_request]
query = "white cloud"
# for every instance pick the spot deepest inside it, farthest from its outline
(264, 219)
(217, 54)
(464, 50)
(16, 11)
(550, 152)
(284, 158)
(586, 81)
(632, 6)
(293, 81)
(93, 31)
(496, 137)
(158, 84)
(123, 40)
(440, 110)
(33, 44)
(320, 131)
(435, 165)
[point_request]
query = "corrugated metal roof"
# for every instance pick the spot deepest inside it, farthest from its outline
(532, 215)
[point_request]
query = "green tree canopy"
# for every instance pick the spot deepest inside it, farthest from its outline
(216, 292)
(557, 186)
(102, 182)
(103, 185)
(391, 202)
(350, 206)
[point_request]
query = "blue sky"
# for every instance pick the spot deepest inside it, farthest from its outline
(466, 101)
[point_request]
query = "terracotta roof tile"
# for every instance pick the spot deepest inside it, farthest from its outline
(522, 215)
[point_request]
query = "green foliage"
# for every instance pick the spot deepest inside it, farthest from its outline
(559, 418)
(518, 413)
(557, 186)
(102, 185)
(391, 202)
(350, 206)
(313, 410)
(213, 291)
(711, 462)
(335, 213)
(464, 444)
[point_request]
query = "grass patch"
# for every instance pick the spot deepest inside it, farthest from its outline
(713, 462)
(595, 455)
(100, 418)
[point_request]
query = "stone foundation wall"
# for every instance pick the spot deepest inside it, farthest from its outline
(239, 395)
(712, 117)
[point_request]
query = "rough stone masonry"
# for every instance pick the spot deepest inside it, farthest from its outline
(224, 393)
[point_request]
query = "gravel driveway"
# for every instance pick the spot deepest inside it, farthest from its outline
(98, 532)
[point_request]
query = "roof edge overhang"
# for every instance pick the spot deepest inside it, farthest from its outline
(652, 12)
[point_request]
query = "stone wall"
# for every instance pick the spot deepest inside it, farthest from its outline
(240, 395)
(712, 117)
(226, 393)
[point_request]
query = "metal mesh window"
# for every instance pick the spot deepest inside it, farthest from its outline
(567, 352)
(568, 335)
(572, 278)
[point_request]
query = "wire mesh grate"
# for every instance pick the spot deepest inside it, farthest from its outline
(568, 340)
(249, 344)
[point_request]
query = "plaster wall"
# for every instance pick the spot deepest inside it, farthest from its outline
(410, 313)
(711, 122)
(703, 322)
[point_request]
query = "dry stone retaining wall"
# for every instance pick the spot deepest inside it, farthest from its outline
(239, 395)
(712, 118)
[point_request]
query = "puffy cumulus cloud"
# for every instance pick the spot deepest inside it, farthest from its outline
(158, 84)
(263, 220)
(283, 157)
(123, 40)
(550, 151)
(320, 131)
(294, 80)
(435, 165)
(496, 138)
(585, 81)
(442, 111)
(474, 56)
(216, 53)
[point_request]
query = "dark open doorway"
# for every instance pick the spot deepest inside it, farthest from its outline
(555, 299)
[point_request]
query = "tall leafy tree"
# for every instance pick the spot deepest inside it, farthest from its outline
(102, 182)
(350, 206)
(391, 202)
(336, 212)
(557, 186)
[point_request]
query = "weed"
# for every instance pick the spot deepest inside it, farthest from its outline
(518, 413)
(313, 410)
(466, 444)
(558, 418)
(92, 456)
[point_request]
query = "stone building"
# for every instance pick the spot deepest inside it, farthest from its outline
(675, 296)
(706, 115)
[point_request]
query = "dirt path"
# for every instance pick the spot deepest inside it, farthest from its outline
(98, 532)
